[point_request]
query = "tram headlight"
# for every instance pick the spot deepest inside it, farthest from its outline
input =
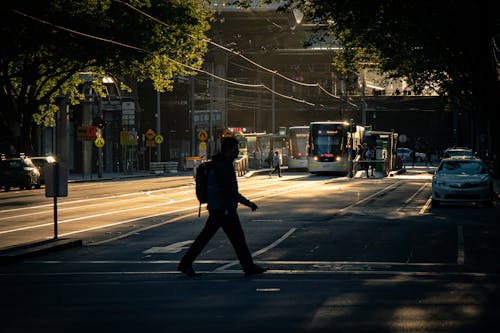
(338, 158)
(315, 158)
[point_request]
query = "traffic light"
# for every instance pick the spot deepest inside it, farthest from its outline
(99, 122)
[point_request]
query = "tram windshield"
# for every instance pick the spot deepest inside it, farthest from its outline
(328, 140)
(298, 141)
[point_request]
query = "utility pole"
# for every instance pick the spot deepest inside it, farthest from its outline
(158, 120)
(273, 121)
(193, 129)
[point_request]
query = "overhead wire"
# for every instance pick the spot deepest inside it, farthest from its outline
(260, 85)
(275, 72)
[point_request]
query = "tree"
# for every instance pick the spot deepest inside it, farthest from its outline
(449, 45)
(43, 52)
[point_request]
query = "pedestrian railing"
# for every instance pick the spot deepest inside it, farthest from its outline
(241, 165)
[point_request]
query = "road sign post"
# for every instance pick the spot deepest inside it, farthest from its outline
(56, 185)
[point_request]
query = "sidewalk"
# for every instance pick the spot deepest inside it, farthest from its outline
(110, 176)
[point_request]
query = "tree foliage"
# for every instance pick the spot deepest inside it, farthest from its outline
(43, 51)
(449, 45)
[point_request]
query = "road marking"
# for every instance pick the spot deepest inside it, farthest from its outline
(426, 205)
(279, 191)
(407, 201)
(263, 250)
(172, 248)
(376, 194)
(460, 246)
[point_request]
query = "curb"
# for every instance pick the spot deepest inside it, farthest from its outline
(37, 248)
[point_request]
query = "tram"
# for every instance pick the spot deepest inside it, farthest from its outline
(329, 145)
(297, 147)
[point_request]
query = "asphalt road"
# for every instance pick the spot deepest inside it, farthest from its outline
(345, 255)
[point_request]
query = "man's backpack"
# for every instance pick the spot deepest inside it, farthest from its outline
(201, 181)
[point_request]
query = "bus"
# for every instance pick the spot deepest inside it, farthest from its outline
(329, 145)
(297, 147)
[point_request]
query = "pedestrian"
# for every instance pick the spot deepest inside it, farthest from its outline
(367, 155)
(223, 199)
(373, 154)
(276, 164)
(428, 158)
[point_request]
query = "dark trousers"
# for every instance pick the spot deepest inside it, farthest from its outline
(276, 168)
(231, 225)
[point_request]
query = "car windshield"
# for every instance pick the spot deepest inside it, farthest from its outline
(462, 168)
(458, 153)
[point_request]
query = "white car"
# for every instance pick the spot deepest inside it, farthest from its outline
(462, 179)
(404, 154)
(457, 151)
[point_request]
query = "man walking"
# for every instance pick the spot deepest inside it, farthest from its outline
(276, 164)
(223, 199)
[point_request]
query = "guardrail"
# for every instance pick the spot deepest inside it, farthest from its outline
(241, 165)
(163, 167)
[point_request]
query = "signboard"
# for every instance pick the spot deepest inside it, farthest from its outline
(86, 133)
(150, 134)
(227, 133)
(203, 135)
(56, 180)
(159, 139)
(128, 138)
(99, 142)
(150, 143)
(202, 149)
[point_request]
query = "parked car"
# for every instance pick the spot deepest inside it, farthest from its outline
(457, 151)
(18, 172)
(40, 162)
(462, 179)
(404, 154)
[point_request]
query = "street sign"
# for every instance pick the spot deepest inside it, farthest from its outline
(227, 133)
(150, 134)
(150, 143)
(99, 142)
(202, 149)
(203, 135)
(128, 138)
(159, 139)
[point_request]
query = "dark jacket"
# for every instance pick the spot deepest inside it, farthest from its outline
(223, 186)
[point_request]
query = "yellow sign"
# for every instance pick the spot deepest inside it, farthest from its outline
(159, 139)
(150, 134)
(128, 138)
(227, 133)
(150, 143)
(99, 142)
(203, 135)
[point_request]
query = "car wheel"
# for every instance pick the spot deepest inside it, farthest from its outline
(435, 203)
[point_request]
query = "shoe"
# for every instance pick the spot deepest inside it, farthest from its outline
(188, 270)
(255, 270)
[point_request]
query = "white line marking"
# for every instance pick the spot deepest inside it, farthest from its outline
(460, 246)
(426, 206)
(407, 201)
(172, 248)
(263, 250)
(386, 189)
